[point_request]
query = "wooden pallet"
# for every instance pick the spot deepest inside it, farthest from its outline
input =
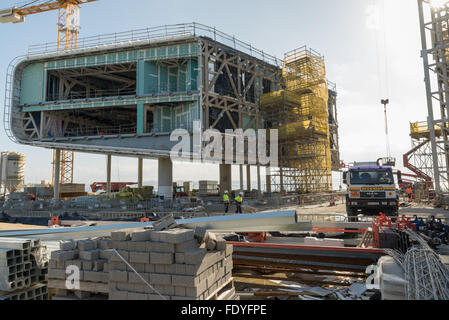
(225, 292)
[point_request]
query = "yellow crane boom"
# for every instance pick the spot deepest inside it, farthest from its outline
(68, 30)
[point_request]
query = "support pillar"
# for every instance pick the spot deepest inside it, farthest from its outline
(225, 178)
(248, 178)
(259, 188)
(281, 179)
(268, 179)
(165, 178)
(57, 165)
(140, 172)
(241, 177)
(108, 173)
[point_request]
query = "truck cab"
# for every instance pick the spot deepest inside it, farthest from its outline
(371, 190)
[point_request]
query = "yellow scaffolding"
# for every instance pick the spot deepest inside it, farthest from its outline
(300, 113)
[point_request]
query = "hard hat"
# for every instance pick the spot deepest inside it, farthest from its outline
(226, 191)
(241, 194)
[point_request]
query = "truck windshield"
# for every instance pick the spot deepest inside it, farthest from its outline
(372, 177)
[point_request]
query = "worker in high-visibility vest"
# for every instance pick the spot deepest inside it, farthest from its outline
(239, 201)
(226, 201)
(409, 193)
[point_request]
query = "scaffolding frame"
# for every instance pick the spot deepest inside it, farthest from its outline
(434, 25)
(301, 114)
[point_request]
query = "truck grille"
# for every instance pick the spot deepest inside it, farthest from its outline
(372, 194)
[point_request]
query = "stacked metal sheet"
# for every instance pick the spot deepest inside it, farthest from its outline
(23, 268)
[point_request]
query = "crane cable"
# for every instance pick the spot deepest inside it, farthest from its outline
(383, 89)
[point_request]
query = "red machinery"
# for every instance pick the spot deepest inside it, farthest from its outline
(115, 186)
(418, 173)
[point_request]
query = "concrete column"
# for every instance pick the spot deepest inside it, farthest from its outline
(140, 172)
(268, 179)
(248, 178)
(281, 179)
(225, 178)
(108, 173)
(259, 188)
(165, 178)
(57, 174)
(241, 177)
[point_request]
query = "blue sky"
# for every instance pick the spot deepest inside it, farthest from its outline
(365, 65)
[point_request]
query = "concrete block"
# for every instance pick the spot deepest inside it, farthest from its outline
(185, 281)
(77, 263)
(155, 236)
(165, 290)
(104, 244)
(118, 295)
(134, 278)
(87, 245)
(137, 246)
(149, 268)
(119, 276)
(139, 257)
(195, 292)
(105, 254)
(139, 267)
(93, 276)
(67, 245)
(186, 246)
(180, 269)
(137, 296)
(160, 247)
(161, 258)
(176, 236)
(106, 267)
(87, 265)
(180, 291)
(125, 286)
(89, 255)
(195, 256)
(120, 245)
(180, 257)
(56, 274)
(221, 244)
(229, 249)
(141, 235)
(121, 235)
(115, 258)
(169, 269)
(159, 268)
(98, 265)
(140, 287)
(64, 255)
(160, 279)
(120, 266)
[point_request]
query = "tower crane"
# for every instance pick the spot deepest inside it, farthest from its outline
(68, 30)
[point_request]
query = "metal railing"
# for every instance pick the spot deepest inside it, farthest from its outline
(141, 36)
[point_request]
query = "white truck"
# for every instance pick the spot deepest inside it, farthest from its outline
(371, 189)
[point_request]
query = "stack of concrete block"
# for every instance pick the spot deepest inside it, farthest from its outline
(90, 257)
(170, 261)
(23, 269)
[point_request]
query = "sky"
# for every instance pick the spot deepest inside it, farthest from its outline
(372, 51)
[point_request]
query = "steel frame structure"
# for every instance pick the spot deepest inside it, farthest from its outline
(434, 25)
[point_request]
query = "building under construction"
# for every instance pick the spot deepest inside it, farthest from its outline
(123, 94)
